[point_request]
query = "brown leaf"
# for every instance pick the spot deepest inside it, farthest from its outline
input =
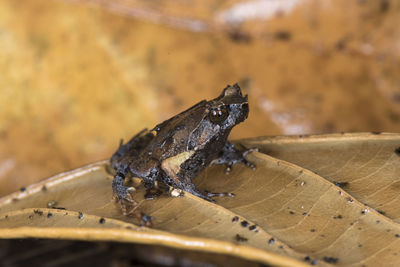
(82, 65)
(286, 212)
(366, 165)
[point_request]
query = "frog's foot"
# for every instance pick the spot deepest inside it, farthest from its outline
(231, 156)
(209, 195)
(145, 219)
(244, 155)
(124, 197)
(129, 207)
(122, 194)
(223, 194)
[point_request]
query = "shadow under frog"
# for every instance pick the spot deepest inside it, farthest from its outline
(175, 151)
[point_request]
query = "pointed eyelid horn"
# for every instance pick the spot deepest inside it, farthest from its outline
(232, 90)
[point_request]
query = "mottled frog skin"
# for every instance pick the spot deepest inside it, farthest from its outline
(175, 151)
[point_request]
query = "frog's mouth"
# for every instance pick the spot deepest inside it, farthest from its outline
(239, 111)
(245, 108)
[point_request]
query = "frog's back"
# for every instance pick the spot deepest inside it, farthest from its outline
(173, 135)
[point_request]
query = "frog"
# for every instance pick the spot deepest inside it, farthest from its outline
(176, 151)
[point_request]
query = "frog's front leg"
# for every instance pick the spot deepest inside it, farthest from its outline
(230, 156)
(122, 193)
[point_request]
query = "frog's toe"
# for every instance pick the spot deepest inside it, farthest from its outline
(124, 193)
(245, 161)
(232, 156)
(128, 206)
(202, 194)
(129, 209)
(247, 151)
(145, 219)
(209, 199)
(223, 194)
(249, 164)
(228, 169)
(125, 199)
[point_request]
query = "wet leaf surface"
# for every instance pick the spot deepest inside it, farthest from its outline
(292, 209)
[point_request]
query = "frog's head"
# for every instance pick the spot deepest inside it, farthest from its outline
(216, 118)
(230, 108)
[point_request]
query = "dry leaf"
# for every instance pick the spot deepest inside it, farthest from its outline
(292, 208)
(364, 165)
(84, 65)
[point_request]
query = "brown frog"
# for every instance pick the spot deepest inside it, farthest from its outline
(175, 151)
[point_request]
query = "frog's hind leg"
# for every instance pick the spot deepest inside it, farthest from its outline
(132, 147)
(122, 193)
(230, 156)
(207, 195)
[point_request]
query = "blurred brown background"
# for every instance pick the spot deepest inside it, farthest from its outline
(76, 76)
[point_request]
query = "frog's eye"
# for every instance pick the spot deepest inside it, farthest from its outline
(219, 114)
